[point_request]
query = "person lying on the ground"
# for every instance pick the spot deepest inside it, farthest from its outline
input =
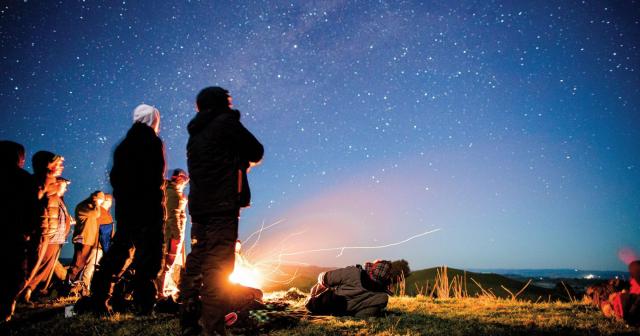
(352, 291)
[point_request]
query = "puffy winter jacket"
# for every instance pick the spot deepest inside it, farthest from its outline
(354, 285)
(219, 151)
(51, 203)
(137, 175)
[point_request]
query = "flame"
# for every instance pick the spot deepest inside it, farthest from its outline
(244, 273)
(170, 287)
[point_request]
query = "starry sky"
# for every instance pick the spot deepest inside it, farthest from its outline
(513, 127)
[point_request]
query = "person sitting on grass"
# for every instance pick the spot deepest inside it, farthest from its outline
(625, 304)
(352, 291)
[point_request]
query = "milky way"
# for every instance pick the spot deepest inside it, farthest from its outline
(512, 127)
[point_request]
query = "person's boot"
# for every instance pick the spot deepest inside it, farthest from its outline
(190, 311)
(65, 287)
(101, 297)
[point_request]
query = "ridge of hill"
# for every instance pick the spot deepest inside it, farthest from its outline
(421, 282)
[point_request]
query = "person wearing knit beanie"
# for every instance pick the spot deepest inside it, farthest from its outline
(148, 115)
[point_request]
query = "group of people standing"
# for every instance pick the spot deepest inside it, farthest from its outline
(150, 213)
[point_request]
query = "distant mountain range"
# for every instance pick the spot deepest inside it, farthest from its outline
(554, 273)
(546, 284)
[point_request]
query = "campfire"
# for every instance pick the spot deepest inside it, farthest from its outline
(244, 273)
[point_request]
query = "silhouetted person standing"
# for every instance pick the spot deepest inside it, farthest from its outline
(137, 178)
(219, 152)
(16, 202)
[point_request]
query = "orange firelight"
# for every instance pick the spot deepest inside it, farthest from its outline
(244, 273)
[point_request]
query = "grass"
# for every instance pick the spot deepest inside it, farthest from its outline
(407, 316)
(470, 316)
(446, 305)
(440, 281)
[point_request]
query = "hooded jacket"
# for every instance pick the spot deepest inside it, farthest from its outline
(219, 151)
(137, 174)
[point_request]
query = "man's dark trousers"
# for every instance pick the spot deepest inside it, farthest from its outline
(206, 274)
(140, 237)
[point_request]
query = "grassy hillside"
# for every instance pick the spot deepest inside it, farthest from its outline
(407, 316)
(303, 277)
(423, 281)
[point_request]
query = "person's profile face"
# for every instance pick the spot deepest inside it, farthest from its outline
(57, 167)
(230, 101)
(99, 199)
(107, 203)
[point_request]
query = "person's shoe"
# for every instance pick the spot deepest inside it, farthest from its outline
(167, 305)
(190, 311)
(230, 319)
(102, 308)
(76, 290)
(192, 330)
(145, 309)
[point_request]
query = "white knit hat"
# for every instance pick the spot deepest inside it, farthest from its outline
(146, 114)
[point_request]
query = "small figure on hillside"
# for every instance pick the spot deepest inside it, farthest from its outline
(137, 178)
(352, 291)
(176, 205)
(625, 305)
(617, 298)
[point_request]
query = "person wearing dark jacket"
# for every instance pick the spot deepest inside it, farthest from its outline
(137, 178)
(16, 205)
(220, 151)
(352, 291)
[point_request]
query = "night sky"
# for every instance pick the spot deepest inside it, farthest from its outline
(513, 127)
